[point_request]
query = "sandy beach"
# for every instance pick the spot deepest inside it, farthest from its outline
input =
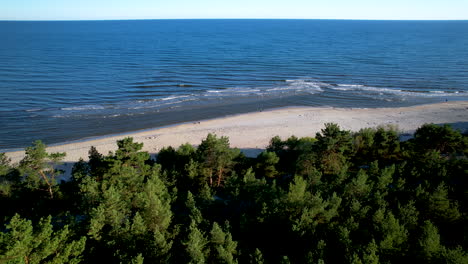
(252, 132)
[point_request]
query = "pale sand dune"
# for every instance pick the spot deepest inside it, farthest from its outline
(253, 131)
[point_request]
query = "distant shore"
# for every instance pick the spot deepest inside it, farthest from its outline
(252, 132)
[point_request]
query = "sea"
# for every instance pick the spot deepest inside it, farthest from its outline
(62, 81)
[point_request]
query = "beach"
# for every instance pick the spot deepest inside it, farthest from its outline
(252, 132)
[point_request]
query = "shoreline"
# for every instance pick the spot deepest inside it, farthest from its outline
(138, 131)
(252, 131)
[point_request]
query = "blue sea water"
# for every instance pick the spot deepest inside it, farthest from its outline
(68, 80)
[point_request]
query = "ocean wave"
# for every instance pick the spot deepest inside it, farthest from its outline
(112, 116)
(279, 89)
(174, 97)
(388, 91)
(363, 88)
(33, 110)
(155, 104)
(232, 92)
(83, 107)
(306, 85)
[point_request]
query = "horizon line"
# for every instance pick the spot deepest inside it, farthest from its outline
(138, 19)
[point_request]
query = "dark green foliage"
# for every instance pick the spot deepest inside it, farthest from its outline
(222, 247)
(21, 242)
(334, 140)
(216, 159)
(9, 177)
(440, 138)
(31, 187)
(128, 207)
(381, 144)
(266, 164)
(341, 197)
(334, 146)
(38, 168)
(386, 144)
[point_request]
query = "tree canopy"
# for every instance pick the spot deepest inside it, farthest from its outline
(338, 197)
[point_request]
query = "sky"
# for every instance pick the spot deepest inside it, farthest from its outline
(186, 9)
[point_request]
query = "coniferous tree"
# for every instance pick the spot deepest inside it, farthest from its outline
(39, 168)
(223, 248)
(266, 164)
(21, 242)
(9, 177)
(429, 242)
(216, 158)
(129, 206)
(196, 245)
(343, 197)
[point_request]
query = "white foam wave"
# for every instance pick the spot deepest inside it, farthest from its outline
(310, 86)
(33, 110)
(156, 103)
(449, 93)
(232, 92)
(174, 97)
(358, 87)
(292, 87)
(298, 87)
(284, 88)
(388, 91)
(83, 107)
(112, 116)
(350, 86)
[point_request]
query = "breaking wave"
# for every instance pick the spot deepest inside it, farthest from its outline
(389, 91)
(83, 107)
(304, 87)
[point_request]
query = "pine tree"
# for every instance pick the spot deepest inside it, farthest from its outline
(9, 177)
(266, 162)
(370, 255)
(24, 243)
(39, 167)
(394, 235)
(429, 242)
(223, 248)
(196, 245)
(256, 257)
(216, 158)
(194, 212)
(440, 138)
(130, 206)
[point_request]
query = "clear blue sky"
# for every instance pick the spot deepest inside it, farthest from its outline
(168, 9)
